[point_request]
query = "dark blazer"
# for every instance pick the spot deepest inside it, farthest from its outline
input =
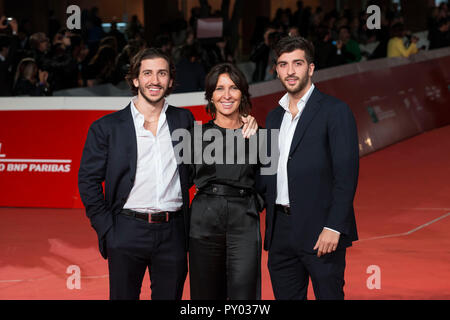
(322, 172)
(110, 156)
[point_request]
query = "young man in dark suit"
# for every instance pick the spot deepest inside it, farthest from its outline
(310, 218)
(142, 219)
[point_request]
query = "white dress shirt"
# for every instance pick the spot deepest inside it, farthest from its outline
(157, 184)
(287, 130)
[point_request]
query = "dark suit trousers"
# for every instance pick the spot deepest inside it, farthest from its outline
(133, 246)
(290, 267)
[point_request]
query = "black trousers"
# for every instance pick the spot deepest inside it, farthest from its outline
(224, 249)
(133, 246)
(291, 268)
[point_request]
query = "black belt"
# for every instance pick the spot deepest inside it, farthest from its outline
(284, 209)
(158, 217)
(224, 190)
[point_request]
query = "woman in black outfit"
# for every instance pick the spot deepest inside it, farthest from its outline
(225, 240)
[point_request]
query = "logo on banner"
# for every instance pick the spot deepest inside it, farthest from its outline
(34, 165)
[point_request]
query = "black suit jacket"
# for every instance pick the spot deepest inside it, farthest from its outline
(322, 172)
(110, 156)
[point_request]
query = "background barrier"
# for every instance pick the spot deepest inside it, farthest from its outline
(41, 139)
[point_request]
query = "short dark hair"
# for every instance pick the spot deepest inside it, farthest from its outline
(289, 44)
(239, 80)
(135, 66)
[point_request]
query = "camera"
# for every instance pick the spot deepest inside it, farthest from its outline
(7, 21)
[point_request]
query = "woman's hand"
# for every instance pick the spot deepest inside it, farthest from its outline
(250, 126)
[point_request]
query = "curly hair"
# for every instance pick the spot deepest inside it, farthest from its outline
(135, 66)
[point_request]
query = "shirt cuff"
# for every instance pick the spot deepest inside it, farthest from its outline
(332, 230)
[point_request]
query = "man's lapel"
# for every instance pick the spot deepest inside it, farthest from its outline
(311, 108)
(278, 118)
(274, 125)
(172, 121)
(128, 135)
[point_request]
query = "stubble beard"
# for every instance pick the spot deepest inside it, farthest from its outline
(301, 85)
(150, 100)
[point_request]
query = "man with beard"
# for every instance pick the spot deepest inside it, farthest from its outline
(310, 218)
(142, 218)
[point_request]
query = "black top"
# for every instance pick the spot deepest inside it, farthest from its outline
(210, 168)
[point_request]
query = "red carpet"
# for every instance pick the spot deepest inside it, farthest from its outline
(402, 211)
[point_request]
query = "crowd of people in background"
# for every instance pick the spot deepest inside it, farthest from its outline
(37, 64)
(338, 36)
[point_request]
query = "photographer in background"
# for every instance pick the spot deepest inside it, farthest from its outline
(271, 73)
(123, 60)
(396, 47)
(440, 36)
(8, 48)
(30, 80)
(8, 25)
(102, 67)
(263, 55)
(260, 55)
(190, 72)
(347, 47)
(40, 49)
(5, 66)
(326, 53)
